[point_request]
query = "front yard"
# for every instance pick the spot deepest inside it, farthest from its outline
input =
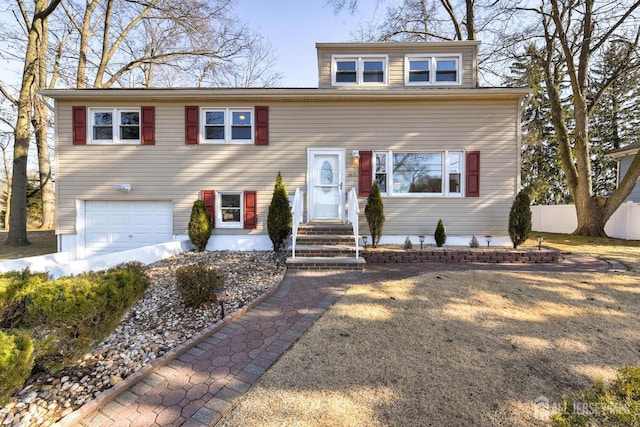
(451, 345)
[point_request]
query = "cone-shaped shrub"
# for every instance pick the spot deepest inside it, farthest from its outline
(279, 216)
(520, 219)
(374, 211)
(199, 226)
(440, 235)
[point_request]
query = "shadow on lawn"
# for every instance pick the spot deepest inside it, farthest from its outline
(431, 345)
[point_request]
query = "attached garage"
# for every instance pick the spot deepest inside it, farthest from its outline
(112, 226)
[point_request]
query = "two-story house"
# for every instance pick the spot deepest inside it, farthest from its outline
(131, 162)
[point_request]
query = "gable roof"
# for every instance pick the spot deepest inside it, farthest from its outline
(627, 150)
(284, 94)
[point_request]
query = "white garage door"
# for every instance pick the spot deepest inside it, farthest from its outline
(116, 226)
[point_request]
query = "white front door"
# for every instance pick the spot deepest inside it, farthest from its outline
(326, 184)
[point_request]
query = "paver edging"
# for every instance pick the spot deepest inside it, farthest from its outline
(108, 395)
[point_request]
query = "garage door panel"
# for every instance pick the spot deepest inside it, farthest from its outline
(118, 225)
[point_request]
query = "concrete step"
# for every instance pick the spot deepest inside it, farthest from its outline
(322, 263)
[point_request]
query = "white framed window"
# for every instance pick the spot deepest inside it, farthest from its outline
(227, 125)
(114, 125)
(421, 70)
(359, 70)
(229, 209)
(419, 173)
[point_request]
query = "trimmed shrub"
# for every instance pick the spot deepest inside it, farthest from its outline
(16, 362)
(374, 211)
(474, 242)
(197, 282)
(520, 219)
(199, 226)
(73, 313)
(615, 404)
(407, 243)
(279, 216)
(14, 288)
(440, 234)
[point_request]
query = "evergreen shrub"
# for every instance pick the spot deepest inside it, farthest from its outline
(374, 211)
(279, 217)
(520, 219)
(16, 362)
(407, 243)
(197, 283)
(199, 226)
(440, 234)
(80, 311)
(614, 404)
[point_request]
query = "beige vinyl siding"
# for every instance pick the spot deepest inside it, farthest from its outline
(396, 57)
(173, 171)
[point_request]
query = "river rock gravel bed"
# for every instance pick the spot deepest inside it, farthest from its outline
(158, 322)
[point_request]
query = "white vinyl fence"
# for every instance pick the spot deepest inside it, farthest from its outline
(623, 224)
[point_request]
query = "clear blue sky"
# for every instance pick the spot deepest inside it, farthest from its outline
(295, 26)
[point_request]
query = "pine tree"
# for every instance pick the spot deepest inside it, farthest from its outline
(199, 226)
(374, 211)
(520, 219)
(279, 216)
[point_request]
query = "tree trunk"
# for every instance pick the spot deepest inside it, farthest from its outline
(34, 53)
(47, 192)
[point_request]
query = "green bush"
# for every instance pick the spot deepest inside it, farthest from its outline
(16, 362)
(474, 242)
(77, 312)
(14, 288)
(616, 404)
(279, 216)
(520, 219)
(374, 211)
(197, 282)
(199, 226)
(440, 234)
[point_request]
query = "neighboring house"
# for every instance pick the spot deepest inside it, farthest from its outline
(131, 162)
(624, 156)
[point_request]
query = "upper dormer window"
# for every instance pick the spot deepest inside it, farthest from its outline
(359, 70)
(432, 70)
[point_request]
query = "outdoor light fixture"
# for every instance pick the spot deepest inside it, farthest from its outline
(124, 187)
(364, 241)
(355, 156)
(221, 296)
(540, 239)
(421, 241)
(488, 240)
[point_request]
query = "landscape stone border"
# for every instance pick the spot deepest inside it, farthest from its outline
(461, 255)
(110, 394)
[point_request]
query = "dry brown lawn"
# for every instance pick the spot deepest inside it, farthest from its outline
(451, 348)
(42, 242)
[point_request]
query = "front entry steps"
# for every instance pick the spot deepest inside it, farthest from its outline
(325, 246)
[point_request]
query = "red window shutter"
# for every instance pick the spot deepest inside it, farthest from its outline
(79, 120)
(148, 125)
(365, 173)
(262, 125)
(250, 210)
(209, 200)
(473, 174)
(191, 125)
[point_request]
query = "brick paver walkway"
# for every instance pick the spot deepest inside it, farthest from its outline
(202, 384)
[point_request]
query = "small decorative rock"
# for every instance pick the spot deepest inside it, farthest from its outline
(154, 325)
